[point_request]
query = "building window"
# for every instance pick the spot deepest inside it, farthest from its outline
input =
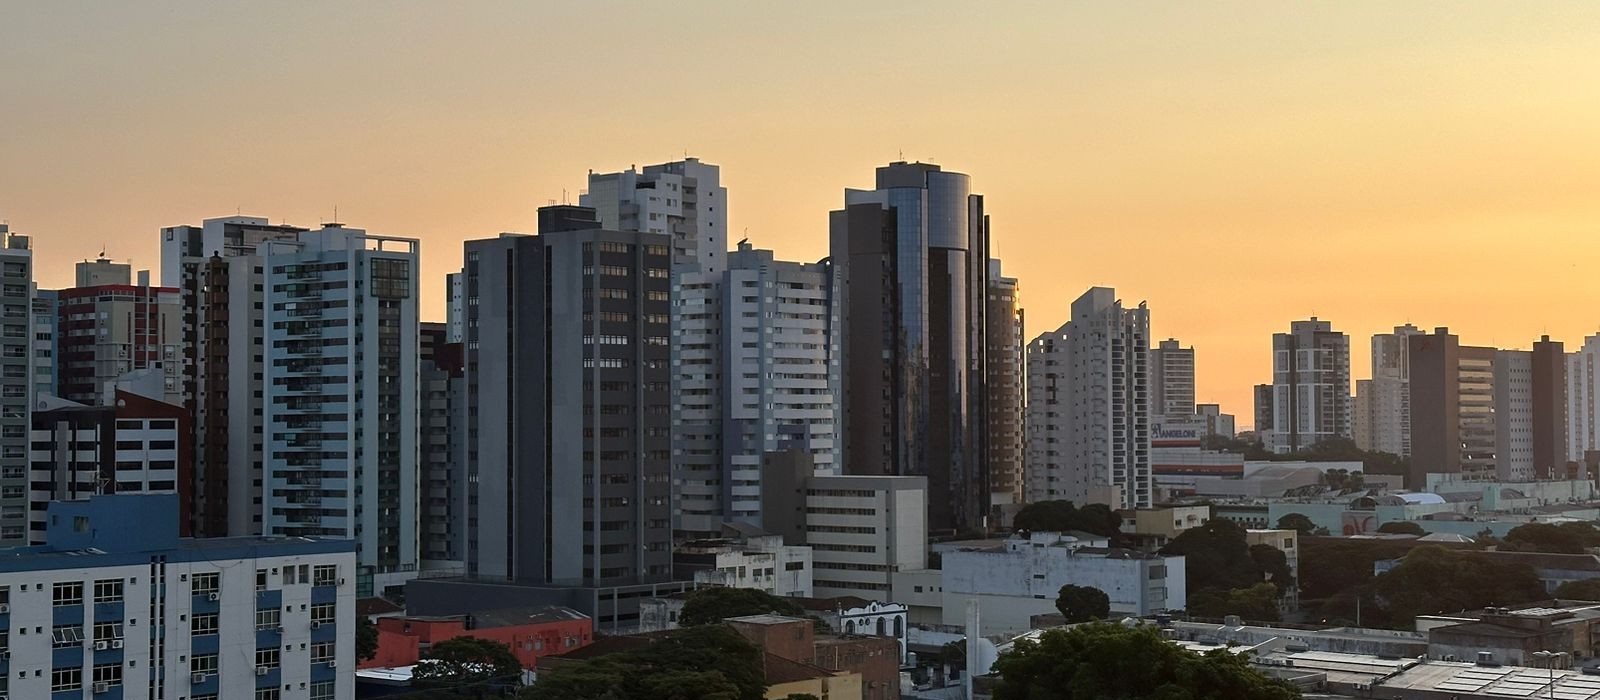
(107, 630)
(203, 623)
(261, 579)
(64, 636)
(325, 575)
(66, 679)
(108, 590)
(267, 658)
(203, 663)
(206, 583)
(68, 593)
(321, 652)
(109, 674)
(267, 619)
(322, 613)
(322, 690)
(267, 694)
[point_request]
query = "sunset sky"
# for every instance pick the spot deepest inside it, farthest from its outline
(1236, 165)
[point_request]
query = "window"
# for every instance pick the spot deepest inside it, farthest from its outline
(206, 583)
(267, 658)
(267, 619)
(203, 623)
(68, 593)
(267, 694)
(109, 674)
(64, 636)
(322, 690)
(108, 590)
(321, 652)
(323, 613)
(203, 663)
(325, 575)
(66, 678)
(107, 630)
(261, 579)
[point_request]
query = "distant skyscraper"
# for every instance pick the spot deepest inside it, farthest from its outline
(1549, 413)
(108, 331)
(1172, 379)
(442, 513)
(910, 262)
(1005, 375)
(1310, 399)
(1217, 423)
(102, 272)
(342, 396)
(568, 435)
(752, 377)
(682, 199)
(1088, 406)
(1453, 402)
(16, 382)
(46, 324)
(1383, 403)
(455, 307)
(1583, 401)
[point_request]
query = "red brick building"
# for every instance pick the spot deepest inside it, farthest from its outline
(531, 633)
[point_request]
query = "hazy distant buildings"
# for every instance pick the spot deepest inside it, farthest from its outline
(1217, 423)
(442, 412)
(682, 199)
(1088, 406)
(1004, 377)
(751, 376)
(109, 330)
(1172, 379)
(1383, 403)
(1310, 396)
(910, 263)
(1583, 402)
(16, 383)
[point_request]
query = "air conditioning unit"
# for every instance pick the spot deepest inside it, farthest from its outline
(341, 582)
(332, 663)
(5, 608)
(213, 596)
(197, 678)
(101, 645)
(262, 670)
(316, 624)
(102, 687)
(116, 644)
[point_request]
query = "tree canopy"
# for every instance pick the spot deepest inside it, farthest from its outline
(1061, 516)
(709, 606)
(1402, 527)
(1273, 565)
(1215, 556)
(1297, 522)
(1566, 538)
(1258, 603)
(467, 661)
(709, 662)
(1101, 660)
(366, 639)
(1082, 603)
(1587, 589)
(1433, 579)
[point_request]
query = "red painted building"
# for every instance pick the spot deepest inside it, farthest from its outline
(532, 633)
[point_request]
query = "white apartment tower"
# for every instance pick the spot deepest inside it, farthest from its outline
(341, 400)
(1172, 379)
(1088, 406)
(1383, 403)
(1583, 399)
(16, 383)
(1309, 400)
(684, 199)
(751, 376)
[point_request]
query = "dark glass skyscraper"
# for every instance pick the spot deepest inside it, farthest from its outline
(910, 261)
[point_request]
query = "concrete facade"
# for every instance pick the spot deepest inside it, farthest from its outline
(1310, 397)
(17, 382)
(864, 529)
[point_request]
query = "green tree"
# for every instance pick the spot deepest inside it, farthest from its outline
(709, 606)
(1273, 565)
(1402, 527)
(1258, 603)
(1082, 603)
(466, 661)
(1433, 579)
(366, 639)
(690, 660)
(1216, 556)
(1062, 516)
(1566, 538)
(1587, 589)
(1109, 661)
(1297, 522)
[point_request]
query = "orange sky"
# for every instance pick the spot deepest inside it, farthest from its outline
(1237, 165)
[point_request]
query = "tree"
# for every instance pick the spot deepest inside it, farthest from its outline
(1402, 527)
(709, 606)
(1083, 603)
(706, 661)
(1258, 603)
(366, 639)
(1566, 538)
(1433, 579)
(1587, 589)
(1063, 516)
(1103, 660)
(1297, 522)
(1216, 556)
(1273, 565)
(466, 661)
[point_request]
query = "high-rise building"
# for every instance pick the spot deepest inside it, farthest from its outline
(1217, 423)
(455, 307)
(107, 331)
(1583, 402)
(751, 376)
(1172, 379)
(103, 272)
(683, 199)
(341, 396)
(1310, 399)
(45, 322)
(910, 264)
(1549, 412)
(442, 383)
(1382, 420)
(1088, 406)
(1452, 391)
(1513, 415)
(17, 361)
(1005, 379)
(218, 273)
(568, 434)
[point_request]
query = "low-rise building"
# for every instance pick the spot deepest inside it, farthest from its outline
(746, 557)
(857, 616)
(1153, 528)
(1024, 576)
(530, 633)
(863, 529)
(232, 615)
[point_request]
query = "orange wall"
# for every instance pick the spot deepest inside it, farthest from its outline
(400, 639)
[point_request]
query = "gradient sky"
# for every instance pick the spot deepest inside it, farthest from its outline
(1236, 165)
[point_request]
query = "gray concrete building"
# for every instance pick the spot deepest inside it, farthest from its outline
(683, 199)
(1172, 379)
(1005, 388)
(1310, 397)
(16, 383)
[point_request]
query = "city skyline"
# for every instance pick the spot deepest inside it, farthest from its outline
(1259, 139)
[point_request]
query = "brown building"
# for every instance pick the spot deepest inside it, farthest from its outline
(875, 659)
(1004, 376)
(1549, 412)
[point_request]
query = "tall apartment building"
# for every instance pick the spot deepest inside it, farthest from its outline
(1513, 415)
(140, 613)
(341, 396)
(218, 272)
(751, 376)
(455, 307)
(1088, 406)
(110, 330)
(1583, 402)
(1549, 412)
(1310, 398)
(910, 264)
(568, 435)
(1172, 379)
(681, 199)
(1383, 403)
(1005, 379)
(17, 361)
(102, 271)
(1217, 422)
(442, 383)
(45, 324)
